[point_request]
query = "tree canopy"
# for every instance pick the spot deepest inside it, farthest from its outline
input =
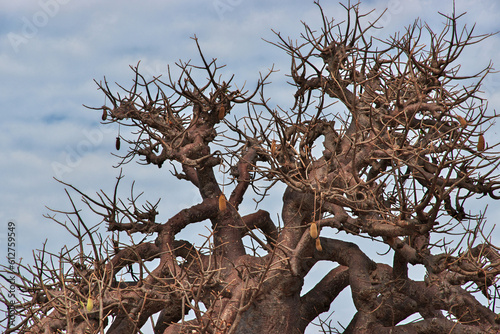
(383, 140)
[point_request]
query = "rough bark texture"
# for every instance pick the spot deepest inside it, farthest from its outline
(398, 162)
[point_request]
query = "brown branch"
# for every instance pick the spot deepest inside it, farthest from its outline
(319, 298)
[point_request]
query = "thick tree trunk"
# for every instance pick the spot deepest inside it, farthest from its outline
(271, 315)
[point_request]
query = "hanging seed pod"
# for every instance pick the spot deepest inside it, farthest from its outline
(463, 122)
(90, 304)
(480, 143)
(222, 112)
(222, 202)
(318, 245)
(273, 148)
(313, 230)
(117, 144)
(104, 114)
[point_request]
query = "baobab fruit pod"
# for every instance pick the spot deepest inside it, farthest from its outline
(463, 122)
(222, 202)
(480, 143)
(313, 230)
(318, 245)
(222, 112)
(90, 304)
(117, 143)
(104, 114)
(273, 148)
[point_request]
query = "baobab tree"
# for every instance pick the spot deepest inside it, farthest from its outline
(396, 161)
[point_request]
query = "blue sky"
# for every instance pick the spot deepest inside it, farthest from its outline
(51, 50)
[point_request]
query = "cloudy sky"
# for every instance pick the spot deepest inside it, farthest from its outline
(52, 50)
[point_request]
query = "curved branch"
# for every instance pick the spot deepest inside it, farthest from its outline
(319, 298)
(261, 220)
(244, 178)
